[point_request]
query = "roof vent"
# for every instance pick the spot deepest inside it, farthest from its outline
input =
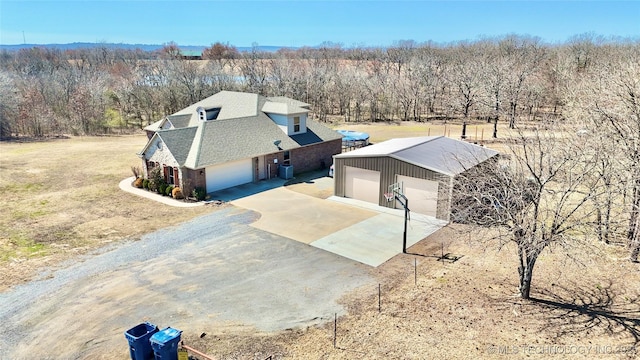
(202, 113)
(207, 114)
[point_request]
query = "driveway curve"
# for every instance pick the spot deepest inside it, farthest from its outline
(205, 275)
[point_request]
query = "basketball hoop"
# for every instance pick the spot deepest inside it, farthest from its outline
(388, 196)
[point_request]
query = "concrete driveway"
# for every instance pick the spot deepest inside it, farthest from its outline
(354, 229)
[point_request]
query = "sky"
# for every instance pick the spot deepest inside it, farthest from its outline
(309, 23)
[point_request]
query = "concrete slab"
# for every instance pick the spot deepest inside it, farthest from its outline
(357, 230)
(375, 240)
(300, 217)
(242, 191)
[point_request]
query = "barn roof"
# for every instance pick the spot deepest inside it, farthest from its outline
(436, 153)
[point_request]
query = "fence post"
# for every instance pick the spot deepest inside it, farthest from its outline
(335, 329)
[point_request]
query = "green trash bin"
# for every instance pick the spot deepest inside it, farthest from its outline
(165, 343)
(138, 337)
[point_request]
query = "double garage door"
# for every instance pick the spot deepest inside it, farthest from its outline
(230, 174)
(364, 185)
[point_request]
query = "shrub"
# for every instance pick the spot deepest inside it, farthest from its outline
(156, 179)
(162, 188)
(145, 184)
(169, 190)
(138, 182)
(177, 193)
(199, 193)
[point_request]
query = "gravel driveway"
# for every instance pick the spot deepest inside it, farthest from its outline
(213, 272)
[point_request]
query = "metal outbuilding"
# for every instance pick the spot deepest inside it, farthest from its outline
(425, 166)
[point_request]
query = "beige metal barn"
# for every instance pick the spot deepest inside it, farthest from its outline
(425, 166)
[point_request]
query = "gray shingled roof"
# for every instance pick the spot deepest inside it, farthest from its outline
(178, 141)
(283, 108)
(233, 105)
(180, 121)
(228, 138)
(221, 141)
(437, 153)
(289, 101)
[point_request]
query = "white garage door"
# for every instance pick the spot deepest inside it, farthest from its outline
(362, 184)
(422, 195)
(230, 174)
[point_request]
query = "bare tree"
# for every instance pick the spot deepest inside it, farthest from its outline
(525, 55)
(610, 171)
(8, 105)
(428, 78)
(399, 54)
(255, 70)
(464, 76)
(535, 197)
(610, 98)
(219, 51)
(171, 51)
(494, 70)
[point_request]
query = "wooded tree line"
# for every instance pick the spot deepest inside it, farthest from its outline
(573, 176)
(513, 78)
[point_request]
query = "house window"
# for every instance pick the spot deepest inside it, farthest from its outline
(296, 124)
(170, 176)
(287, 158)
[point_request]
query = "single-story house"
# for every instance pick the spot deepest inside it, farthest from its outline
(423, 168)
(233, 138)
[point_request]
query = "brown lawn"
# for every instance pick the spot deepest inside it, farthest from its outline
(60, 198)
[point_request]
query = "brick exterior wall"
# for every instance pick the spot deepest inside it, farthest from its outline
(303, 159)
(192, 179)
(269, 164)
(312, 157)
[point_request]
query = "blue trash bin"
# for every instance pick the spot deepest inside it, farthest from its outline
(165, 343)
(138, 337)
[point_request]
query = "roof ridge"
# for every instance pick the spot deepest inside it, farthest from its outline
(194, 151)
(427, 139)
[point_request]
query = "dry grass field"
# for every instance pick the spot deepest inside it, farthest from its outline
(61, 199)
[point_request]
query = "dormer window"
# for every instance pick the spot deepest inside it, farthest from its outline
(296, 124)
